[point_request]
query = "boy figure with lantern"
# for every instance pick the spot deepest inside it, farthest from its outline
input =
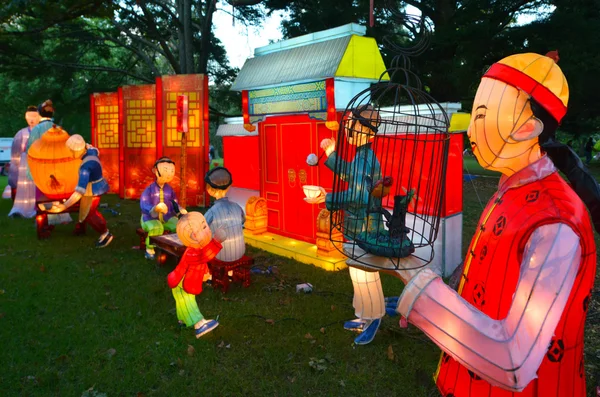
(90, 186)
(158, 202)
(186, 280)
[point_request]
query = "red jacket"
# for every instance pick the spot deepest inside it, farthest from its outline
(489, 285)
(193, 266)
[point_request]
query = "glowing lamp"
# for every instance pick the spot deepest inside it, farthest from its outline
(161, 258)
(54, 169)
(311, 191)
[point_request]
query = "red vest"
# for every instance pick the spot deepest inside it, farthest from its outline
(492, 269)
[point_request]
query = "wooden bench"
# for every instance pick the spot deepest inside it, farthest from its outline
(167, 245)
(142, 234)
(220, 272)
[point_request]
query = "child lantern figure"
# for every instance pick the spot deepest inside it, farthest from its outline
(159, 204)
(516, 323)
(186, 280)
(360, 129)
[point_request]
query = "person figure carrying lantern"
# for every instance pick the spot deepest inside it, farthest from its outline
(225, 214)
(24, 204)
(360, 129)
(158, 202)
(90, 186)
(186, 280)
(516, 323)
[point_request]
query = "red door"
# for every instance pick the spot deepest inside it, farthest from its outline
(271, 175)
(297, 142)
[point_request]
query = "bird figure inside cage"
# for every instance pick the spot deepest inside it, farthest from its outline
(393, 241)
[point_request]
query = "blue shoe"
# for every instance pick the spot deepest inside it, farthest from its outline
(391, 304)
(355, 325)
(368, 334)
(148, 255)
(206, 328)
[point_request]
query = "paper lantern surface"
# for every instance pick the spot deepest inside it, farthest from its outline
(52, 165)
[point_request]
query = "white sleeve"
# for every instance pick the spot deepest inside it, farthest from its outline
(507, 352)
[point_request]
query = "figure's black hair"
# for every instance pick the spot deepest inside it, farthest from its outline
(162, 160)
(569, 163)
(46, 109)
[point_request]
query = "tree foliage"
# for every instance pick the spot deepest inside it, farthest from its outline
(98, 45)
(470, 35)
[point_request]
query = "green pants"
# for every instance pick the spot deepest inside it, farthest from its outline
(187, 308)
(156, 228)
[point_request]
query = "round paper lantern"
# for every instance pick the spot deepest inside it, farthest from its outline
(53, 169)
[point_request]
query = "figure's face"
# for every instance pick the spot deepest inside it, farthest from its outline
(167, 173)
(193, 231)
(33, 118)
(356, 133)
(503, 131)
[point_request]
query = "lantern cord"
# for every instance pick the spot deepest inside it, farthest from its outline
(473, 184)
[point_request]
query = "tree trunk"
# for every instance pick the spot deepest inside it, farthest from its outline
(180, 37)
(188, 36)
(205, 38)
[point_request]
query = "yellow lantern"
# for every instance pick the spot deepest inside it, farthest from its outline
(54, 169)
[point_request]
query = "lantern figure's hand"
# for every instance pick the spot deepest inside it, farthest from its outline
(57, 208)
(409, 267)
(160, 208)
(319, 199)
(183, 211)
(328, 145)
(220, 234)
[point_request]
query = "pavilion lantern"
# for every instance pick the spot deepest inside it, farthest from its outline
(53, 168)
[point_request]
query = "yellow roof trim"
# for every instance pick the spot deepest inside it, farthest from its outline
(362, 60)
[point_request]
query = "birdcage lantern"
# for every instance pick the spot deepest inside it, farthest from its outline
(390, 167)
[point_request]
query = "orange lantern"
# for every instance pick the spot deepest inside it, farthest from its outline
(53, 168)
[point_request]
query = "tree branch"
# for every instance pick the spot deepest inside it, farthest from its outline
(136, 51)
(167, 51)
(88, 67)
(244, 3)
(427, 11)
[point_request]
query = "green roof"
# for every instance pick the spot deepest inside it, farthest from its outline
(305, 63)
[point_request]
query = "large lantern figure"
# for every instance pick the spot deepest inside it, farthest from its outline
(53, 167)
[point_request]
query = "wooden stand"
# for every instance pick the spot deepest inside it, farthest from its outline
(44, 230)
(167, 245)
(220, 272)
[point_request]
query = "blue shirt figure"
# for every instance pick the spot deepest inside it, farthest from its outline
(229, 216)
(154, 195)
(156, 204)
(225, 215)
(355, 200)
(90, 175)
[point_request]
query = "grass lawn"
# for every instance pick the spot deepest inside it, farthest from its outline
(77, 321)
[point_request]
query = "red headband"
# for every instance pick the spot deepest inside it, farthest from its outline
(536, 90)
